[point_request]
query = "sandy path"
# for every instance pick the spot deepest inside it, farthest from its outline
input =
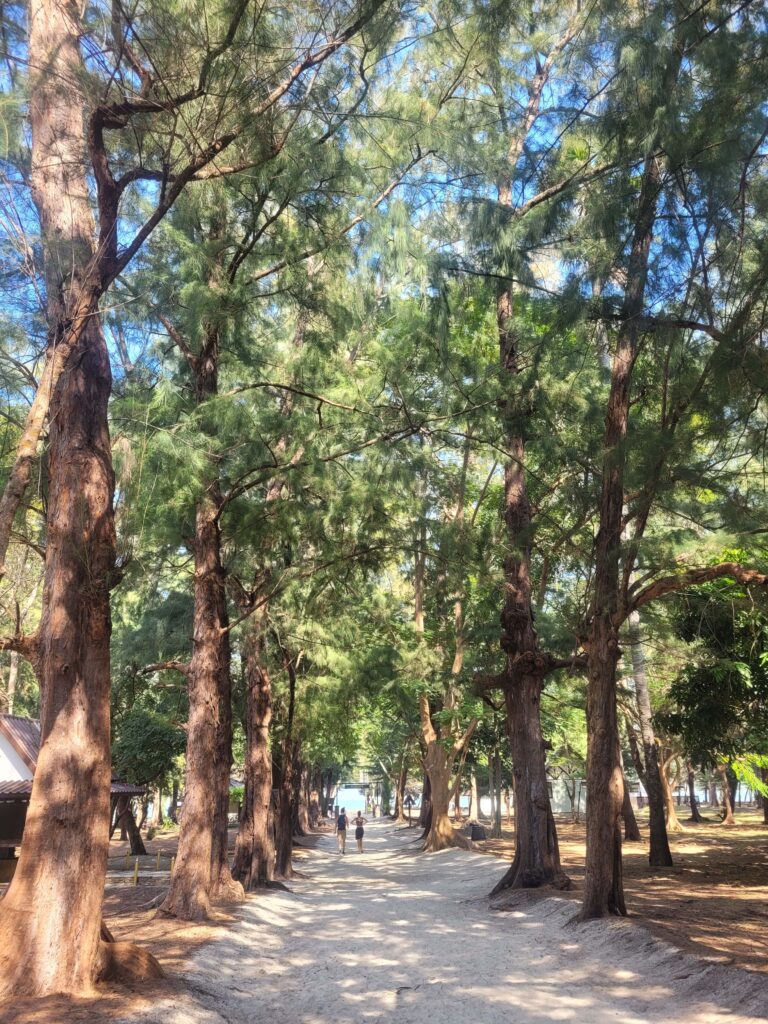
(392, 936)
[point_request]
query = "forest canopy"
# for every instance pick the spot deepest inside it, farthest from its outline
(384, 385)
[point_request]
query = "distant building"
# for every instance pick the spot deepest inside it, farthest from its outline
(19, 748)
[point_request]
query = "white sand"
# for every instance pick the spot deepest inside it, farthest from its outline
(396, 936)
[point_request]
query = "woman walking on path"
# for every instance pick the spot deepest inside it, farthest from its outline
(359, 830)
(341, 829)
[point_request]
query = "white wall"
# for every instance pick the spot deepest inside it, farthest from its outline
(12, 767)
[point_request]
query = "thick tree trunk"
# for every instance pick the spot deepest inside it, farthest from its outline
(254, 861)
(438, 764)
(50, 918)
(660, 855)
(190, 891)
(284, 814)
(536, 861)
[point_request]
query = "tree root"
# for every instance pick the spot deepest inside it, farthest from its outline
(125, 962)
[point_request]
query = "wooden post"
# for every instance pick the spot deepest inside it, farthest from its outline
(158, 860)
(136, 872)
(173, 865)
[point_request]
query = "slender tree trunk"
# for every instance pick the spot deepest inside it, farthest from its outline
(223, 885)
(764, 777)
(402, 779)
(673, 822)
(497, 794)
(631, 828)
(695, 813)
(728, 818)
(174, 808)
(144, 812)
(474, 804)
(254, 861)
(660, 855)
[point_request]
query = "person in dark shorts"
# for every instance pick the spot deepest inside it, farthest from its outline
(341, 829)
(359, 830)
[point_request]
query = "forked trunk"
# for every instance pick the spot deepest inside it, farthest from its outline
(254, 861)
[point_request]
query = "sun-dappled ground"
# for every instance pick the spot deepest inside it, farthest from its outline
(713, 902)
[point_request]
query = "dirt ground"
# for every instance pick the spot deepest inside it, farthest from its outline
(129, 912)
(713, 902)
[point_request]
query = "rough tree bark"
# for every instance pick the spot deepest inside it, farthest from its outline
(603, 883)
(659, 855)
(127, 821)
(50, 920)
(254, 861)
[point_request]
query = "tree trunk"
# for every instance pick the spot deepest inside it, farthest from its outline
(144, 812)
(660, 855)
(536, 860)
(673, 822)
(128, 822)
(695, 813)
(438, 764)
(764, 777)
(173, 810)
(254, 861)
(223, 885)
(728, 818)
(190, 891)
(474, 804)
(284, 814)
(50, 918)
(631, 828)
(402, 778)
(425, 811)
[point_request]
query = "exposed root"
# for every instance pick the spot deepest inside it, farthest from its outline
(127, 963)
